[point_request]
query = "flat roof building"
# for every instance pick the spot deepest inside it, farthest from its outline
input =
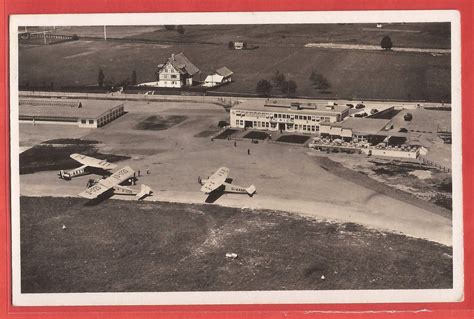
(85, 113)
(289, 115)
(361, 129)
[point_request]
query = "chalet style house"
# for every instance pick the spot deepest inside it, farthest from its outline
(177, 72)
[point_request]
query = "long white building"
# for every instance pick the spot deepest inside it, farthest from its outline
(86, 113)
(289, 115)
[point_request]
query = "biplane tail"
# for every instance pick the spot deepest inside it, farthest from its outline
(145, 191)
(63, 175)
(251, 190)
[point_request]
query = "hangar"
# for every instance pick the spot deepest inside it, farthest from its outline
(288, 115)
(85, 113)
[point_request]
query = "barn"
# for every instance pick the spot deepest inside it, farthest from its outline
(221, 76)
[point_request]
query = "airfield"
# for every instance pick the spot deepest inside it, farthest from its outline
(288, 177)
(307, 221)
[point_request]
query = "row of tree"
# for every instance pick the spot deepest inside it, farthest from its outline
(101, 80)
(265, 87)
(288, 87)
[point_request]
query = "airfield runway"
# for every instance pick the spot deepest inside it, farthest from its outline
(287, 177)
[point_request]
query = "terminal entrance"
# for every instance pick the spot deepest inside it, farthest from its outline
(248, 124)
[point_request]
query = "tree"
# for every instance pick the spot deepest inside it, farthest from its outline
(408, 117)
(313, 75)
(288, 87)
(278, 78)
(134, 78)
(170, 27)
(264, 87)
(231, 45)
(386, 43)
(180, 29)
(321, 83)
(100, 78)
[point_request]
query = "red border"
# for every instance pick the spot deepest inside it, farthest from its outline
(435, 310)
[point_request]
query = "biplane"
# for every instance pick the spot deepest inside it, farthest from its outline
(90, 165)
(219, 183)
(113, 185)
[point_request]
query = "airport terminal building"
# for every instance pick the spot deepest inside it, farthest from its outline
(286, 115)
(85, 113)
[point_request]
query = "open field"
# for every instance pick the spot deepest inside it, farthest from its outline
(423, 35)
(137, 247)
(352, 74)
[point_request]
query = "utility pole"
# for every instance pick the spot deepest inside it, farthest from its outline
(105, 33)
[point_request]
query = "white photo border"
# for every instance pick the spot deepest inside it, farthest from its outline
(242, 297)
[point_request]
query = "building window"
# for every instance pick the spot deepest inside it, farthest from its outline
(173, 76)
(91, 121)
(83, 121)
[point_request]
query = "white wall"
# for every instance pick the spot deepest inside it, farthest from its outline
(390, 153)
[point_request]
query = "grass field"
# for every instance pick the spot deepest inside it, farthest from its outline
(353, 74)
(129, 246)
(54, 155)
(423, 35)
(297, 139)
(158, 123)
(256, 135)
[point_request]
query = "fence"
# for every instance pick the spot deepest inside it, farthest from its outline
(436, 165)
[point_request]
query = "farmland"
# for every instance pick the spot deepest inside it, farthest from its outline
(354, 74)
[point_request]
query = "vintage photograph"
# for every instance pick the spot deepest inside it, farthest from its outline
(188, 158)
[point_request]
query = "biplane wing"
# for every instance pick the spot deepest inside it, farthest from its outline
(92, 162)
(216, 180)
(106, 184)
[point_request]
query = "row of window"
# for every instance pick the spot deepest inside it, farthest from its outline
(307, 128)
(171, 76)
(259, 124)
(47, 118)
(313, 118)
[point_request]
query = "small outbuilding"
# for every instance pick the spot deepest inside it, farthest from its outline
(221, 76)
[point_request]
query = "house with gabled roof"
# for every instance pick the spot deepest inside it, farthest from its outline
(177, 72)
(221, 76)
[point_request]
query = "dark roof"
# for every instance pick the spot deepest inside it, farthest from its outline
(181, 63)
(84, 109)
(224, 71)
(363, 125)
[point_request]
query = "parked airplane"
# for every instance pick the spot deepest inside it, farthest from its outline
(90, 165)
(112, 186)
(218, 184)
